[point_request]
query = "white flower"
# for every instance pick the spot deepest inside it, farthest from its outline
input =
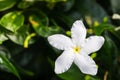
(76, 50)
(116, 16)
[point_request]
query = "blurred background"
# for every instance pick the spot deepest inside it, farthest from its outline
(25, 53)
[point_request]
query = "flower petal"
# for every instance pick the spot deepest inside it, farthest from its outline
(60, 41)
(64, 62)
(78, 31)
(93, 43)
(86, 64)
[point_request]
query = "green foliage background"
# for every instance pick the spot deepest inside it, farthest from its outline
(25, 53)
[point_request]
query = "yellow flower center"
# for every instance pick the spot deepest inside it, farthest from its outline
(76, 49)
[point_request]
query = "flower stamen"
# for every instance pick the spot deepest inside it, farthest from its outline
(76, 49)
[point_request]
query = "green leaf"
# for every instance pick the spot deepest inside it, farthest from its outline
(6, 4)
(102, 27)
(88, 77)
(40, 25)
(38, 19)
(51, 3)
(2, 38)
(27, 72)
(66, 19)
(74, 72)
(110, 50)
(116, 32)
(20, 36)
(47, 31)
(25, 4)
(54, 0)
(2, 35)
(6, 65)
(12, 21)
(109, 46)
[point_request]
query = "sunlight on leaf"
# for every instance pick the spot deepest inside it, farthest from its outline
(3, 38)
(12, 21)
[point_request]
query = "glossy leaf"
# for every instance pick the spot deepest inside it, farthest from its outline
(12, 21)
(20, 36)
(40, 25)
(38, 19)
(2, 38)
(6, 4)
(47, 31)
(6, 64)
(21, 20)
